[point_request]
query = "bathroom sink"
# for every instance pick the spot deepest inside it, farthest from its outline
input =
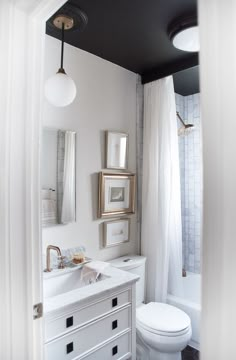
(62, 281)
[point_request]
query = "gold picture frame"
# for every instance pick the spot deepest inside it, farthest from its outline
(116, 194)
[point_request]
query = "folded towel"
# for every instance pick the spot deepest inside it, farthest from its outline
(88, 276)
(97, 266)
(92, 270)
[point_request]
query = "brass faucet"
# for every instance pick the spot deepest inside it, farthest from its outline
(60, 258)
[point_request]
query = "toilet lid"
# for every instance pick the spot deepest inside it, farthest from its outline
(162, 318)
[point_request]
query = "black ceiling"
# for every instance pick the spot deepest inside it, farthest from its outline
(186, 82)
(134, 35)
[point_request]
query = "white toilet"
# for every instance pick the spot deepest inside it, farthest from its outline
(163, 331)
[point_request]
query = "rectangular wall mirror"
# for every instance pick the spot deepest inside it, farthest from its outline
(58, 168)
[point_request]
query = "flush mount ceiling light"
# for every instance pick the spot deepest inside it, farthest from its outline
(60, 89)
(184, 34)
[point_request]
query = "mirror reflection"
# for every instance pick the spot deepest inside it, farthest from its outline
(58, 176)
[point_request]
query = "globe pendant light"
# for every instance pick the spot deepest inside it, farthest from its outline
(60, 89)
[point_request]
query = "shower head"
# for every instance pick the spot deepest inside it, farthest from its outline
(186, 128)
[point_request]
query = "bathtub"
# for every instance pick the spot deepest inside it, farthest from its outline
(190, 303)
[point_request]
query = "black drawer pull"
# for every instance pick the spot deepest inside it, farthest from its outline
(114, 302)
(114, 324)
(69, 348)
(69, 321)
(114, 350)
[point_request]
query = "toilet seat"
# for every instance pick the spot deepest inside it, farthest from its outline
(162, 319)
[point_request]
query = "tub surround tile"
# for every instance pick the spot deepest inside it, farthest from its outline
(190, 153)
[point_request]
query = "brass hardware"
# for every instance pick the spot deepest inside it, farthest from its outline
(37, 311)
(61, 262)
(185, 128)
(57, 249)
(61, 71)
(182, 121)
(63, 19)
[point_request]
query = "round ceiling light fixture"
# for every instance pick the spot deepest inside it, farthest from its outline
(60, 89)
(184, 34)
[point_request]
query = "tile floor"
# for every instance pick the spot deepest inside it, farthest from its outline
(190, 354)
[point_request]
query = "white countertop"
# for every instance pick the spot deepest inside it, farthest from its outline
(116, 279)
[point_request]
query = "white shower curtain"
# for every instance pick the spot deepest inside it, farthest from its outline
(161, 235)
(68, 200)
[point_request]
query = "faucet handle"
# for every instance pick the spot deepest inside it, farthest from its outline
(61, 264)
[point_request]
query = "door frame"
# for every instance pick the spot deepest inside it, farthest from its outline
(22, 39)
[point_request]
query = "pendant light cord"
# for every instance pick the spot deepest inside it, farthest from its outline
(62, 44)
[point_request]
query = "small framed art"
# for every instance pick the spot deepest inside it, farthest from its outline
(116, 232)
(116, 194)
(116, 150)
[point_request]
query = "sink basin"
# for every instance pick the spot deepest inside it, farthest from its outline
(62, 281)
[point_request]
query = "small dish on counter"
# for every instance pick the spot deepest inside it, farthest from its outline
(71, 263)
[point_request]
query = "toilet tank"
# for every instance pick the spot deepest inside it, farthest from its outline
(136, 265)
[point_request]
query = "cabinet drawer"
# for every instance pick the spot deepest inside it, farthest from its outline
(89, 336)
(55, 327)
(115, 350)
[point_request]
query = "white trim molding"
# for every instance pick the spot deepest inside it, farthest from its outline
(22, 36)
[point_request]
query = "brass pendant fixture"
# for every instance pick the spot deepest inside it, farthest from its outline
(60, 89)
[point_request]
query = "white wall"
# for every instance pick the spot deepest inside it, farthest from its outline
(106, 99)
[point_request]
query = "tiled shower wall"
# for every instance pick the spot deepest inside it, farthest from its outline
(190, 152)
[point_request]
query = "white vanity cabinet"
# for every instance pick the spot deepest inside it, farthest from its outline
(103, 327)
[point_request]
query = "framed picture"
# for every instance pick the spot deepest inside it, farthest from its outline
(116, 194)
(116, 232)
(116, 150)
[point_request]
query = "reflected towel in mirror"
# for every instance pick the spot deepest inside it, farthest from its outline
(49, 212)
